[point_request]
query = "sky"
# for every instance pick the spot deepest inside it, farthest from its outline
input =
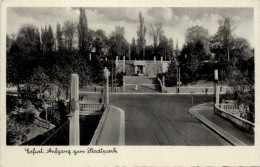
(175, 21)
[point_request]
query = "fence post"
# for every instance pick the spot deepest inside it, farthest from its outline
(74, 113)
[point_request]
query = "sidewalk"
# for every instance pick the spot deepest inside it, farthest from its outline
(234, 135)
(113, 132)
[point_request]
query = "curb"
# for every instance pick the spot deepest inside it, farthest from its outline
(122, 126)
(224, 134)
(116, 131)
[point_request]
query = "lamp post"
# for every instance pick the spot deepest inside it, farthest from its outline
(177, 90)
(178, 76)
(216, 87)
(106, 73)
(112, 81)
(191, 93)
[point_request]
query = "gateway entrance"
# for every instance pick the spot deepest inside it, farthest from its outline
(139, 67)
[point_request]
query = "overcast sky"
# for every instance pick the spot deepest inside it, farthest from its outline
(175, 21)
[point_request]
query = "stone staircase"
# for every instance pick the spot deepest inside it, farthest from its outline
(147, 84)
(130, 80)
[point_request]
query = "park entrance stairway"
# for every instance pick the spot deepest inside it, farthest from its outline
(146, 84)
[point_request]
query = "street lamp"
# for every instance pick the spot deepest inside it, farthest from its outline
(216, 86)
(192, 93)
(178, 76)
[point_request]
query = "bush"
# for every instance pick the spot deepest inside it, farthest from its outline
(119, 77)
(170, 80)
(27, 104)
(11, 103)
(25, 118)
(14, 132)
(43, 115)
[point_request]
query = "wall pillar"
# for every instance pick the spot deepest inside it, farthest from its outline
(135, 69)
(144, 69)
(74, 130)
(161, 59)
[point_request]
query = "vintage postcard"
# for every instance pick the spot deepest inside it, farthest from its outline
(120, 83)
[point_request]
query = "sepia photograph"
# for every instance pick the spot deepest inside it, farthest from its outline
(130, 76)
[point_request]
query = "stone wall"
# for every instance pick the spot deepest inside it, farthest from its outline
(129, 68)
(198, 90)
(240, 122)
(152, 68)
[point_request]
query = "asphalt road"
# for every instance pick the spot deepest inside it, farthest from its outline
(164, 120)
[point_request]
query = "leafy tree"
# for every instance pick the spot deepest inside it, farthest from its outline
(177, 46)
(100, 42)
(68, 31)
(195, 48)
(59, 38)
(23, 56)
(47, 38)
(141, 37)
(221, 41)
(170, 75)
(198, 37)
(118, 43)
(133, 49)
(97, 70)
(164, 48)
(83, 31)
(39, 79)
(156, 34)
(171, 48)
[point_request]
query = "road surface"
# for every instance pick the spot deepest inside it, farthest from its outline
(164, 120)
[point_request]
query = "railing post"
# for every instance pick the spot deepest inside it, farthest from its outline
(74, 114)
